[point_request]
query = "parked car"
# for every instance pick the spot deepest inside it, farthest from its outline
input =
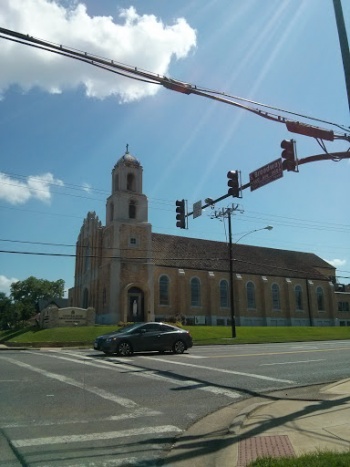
(140, 337)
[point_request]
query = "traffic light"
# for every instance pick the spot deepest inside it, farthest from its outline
(180, 214)
(233, 183)
(289, 155)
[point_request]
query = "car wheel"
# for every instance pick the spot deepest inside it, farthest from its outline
(124, 349)
(179, 347)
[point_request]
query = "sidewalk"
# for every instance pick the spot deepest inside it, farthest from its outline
(17, 347)
(282, 423)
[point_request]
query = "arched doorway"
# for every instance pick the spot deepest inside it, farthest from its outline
(135, 305)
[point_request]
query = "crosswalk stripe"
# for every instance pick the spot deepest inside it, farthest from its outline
(49, 440)
(138, 413)
(155, 375)
(127, 403)
(221, 370)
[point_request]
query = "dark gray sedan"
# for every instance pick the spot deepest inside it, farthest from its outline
(141, 337)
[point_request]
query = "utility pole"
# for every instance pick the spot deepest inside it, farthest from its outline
(344, 44)
(232, 303)
(226, 213)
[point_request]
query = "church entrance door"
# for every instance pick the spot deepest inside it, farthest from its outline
(135, 305)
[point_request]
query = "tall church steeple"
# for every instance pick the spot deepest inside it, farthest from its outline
(127, 203)
(127, 242)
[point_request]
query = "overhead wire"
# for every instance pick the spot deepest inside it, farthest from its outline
(285, 220)
(277, 109)
(155, 260)
(152, 78)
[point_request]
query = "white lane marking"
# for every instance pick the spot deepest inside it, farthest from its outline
(190, 356)
(151, 374)
(305, 347)
(126, 461)
(139, 413)
(11, 380)
(221, 370)
(291, 363)
(127, 403)
(49, 440)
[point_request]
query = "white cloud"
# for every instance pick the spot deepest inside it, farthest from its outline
(5, 284)
(337, 263)
(19, 192)
(137, 40)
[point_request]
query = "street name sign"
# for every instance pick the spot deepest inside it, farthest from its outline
(266, 174)
(197, 209)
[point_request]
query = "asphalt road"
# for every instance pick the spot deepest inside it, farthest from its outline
(65, 407)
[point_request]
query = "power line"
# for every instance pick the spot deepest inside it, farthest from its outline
(305, 223)
(169, 83)
(154, 260)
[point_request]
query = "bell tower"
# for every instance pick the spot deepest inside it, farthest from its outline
(127, 203)
(128, 245)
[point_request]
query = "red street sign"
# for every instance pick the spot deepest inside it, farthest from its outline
(266, 174)
(309, 130)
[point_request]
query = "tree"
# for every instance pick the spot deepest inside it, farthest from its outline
(7, 317)
(26, 294)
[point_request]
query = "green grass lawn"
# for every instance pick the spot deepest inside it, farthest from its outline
(201, 334)
(319, 459)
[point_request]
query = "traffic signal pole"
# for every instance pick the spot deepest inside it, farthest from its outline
(235, 189)
(334, 156)
(344, 44)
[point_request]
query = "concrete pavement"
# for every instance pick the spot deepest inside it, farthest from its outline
(283, 423)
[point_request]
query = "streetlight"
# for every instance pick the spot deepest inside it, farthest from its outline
(267, 227)
(232, 305)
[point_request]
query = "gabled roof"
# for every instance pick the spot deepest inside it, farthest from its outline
(194, 253)
(59, 302)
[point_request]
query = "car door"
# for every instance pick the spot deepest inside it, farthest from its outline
(147, 338)
(167, 337)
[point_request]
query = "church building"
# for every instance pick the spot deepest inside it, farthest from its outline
(128, 273)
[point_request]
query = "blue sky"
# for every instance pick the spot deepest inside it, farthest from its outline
(64, 124)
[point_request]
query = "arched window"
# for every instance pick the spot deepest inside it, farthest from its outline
(298, 297)
(111, 211)
(224, 300)
(195, 292)
(276, 302)
(132, 210)
(164, 290)
(116, 182)
(320, 299)
(251, 295)
(130, 182)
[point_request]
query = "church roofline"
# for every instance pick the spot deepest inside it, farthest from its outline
(194, 253)
(128, 159)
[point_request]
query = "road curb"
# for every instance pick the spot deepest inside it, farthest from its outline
(235, 427)
(8, 456)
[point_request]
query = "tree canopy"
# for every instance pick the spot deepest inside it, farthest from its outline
(25, 296)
